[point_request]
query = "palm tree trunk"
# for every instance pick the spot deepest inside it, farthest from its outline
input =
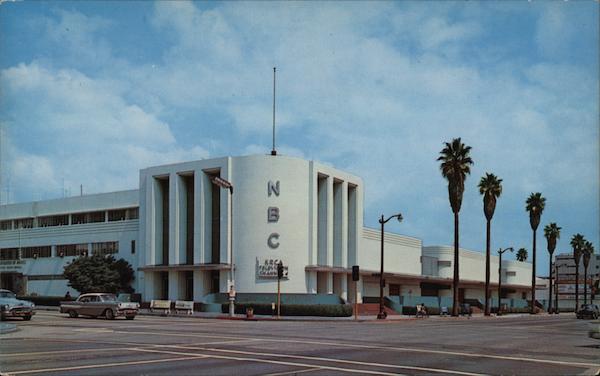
(455, 281)
(487, 269)
(576, 287)
(550, 284)
(533, 277)
(584, 284)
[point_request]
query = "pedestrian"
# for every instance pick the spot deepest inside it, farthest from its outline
(68, 296)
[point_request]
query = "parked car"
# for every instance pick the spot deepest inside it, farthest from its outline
(10, 306)
(588, 311)
(99, 304)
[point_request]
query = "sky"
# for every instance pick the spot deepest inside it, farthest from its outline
(91, 92)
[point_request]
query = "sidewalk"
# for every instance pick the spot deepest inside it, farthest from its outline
(373, 318)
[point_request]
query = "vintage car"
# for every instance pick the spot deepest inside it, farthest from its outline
(99, 304)
(588, 311)
(10, 306)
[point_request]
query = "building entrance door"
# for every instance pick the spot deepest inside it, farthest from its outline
(14, 282)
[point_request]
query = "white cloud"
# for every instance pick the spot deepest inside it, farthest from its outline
(87, 133)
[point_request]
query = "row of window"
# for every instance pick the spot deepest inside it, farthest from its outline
(103, 248)
(76, 219)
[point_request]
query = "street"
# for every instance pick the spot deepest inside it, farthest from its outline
(51, 343)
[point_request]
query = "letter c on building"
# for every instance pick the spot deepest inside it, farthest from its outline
(272, 241)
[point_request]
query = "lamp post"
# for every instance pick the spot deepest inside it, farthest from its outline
(227, 185)
(382, 315)
(500, 252)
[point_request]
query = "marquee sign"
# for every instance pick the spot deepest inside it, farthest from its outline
(267, 268)
(11, 265)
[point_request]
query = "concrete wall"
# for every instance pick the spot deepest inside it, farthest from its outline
(402, 254)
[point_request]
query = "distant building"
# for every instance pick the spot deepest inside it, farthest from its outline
(177, 230)
(566, 278)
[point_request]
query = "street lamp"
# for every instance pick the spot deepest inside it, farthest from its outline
(227, 185)
(500, 252)
(382, 221)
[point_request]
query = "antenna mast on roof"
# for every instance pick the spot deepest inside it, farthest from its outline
(273, 151)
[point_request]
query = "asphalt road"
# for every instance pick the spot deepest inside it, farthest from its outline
(51, 343)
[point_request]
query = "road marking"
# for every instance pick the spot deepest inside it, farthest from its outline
(192, 357)
(375, 347)
(94, 330)
(62, 351)
(331, 360)
(294, 372)
(244, 359)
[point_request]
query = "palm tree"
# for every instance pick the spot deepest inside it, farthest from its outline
(521, 254)
(588, 250)
(535, 206)
(491, 188)
(455, 167)
(577, 242)
(552, 233)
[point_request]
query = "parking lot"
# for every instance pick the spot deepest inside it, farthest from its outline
(51, 343)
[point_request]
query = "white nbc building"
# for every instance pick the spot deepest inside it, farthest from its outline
(178, 229)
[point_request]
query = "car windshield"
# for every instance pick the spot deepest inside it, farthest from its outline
(108, 298)
(124, 298)
(6, 294)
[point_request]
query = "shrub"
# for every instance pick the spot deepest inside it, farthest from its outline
(326, 310)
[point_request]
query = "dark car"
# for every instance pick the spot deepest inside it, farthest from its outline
(588, 311)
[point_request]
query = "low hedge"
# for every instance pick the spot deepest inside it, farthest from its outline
(53, 301)
(327, 310)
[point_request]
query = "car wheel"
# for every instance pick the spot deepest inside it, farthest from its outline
(27, 318)
(109, 314)
(129, 317)
(73, 314)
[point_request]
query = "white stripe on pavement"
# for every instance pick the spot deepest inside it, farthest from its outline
(103, 365)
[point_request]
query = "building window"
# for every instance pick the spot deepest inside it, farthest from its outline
(105, 248)
(53, 220)
(122, 214)
(89, 217)
(133, 247)
(36, 252)
(117, 215)
(6, 225)
(9, 254)
(23, 223)
(133, 213)
(71, 249)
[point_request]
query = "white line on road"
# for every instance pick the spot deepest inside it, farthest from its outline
(294, 372)
(331, 360)
(375, 347)
(103, 365)
(63, 351)
(279, 362)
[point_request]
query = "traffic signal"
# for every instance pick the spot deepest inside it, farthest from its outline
(280, 270)
(355, 273)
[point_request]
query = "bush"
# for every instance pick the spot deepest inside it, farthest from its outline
(325, 310)
(53, 301)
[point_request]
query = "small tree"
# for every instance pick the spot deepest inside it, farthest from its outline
(99, 273)
(522, 254)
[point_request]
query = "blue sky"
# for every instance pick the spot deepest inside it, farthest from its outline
(93, 91)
